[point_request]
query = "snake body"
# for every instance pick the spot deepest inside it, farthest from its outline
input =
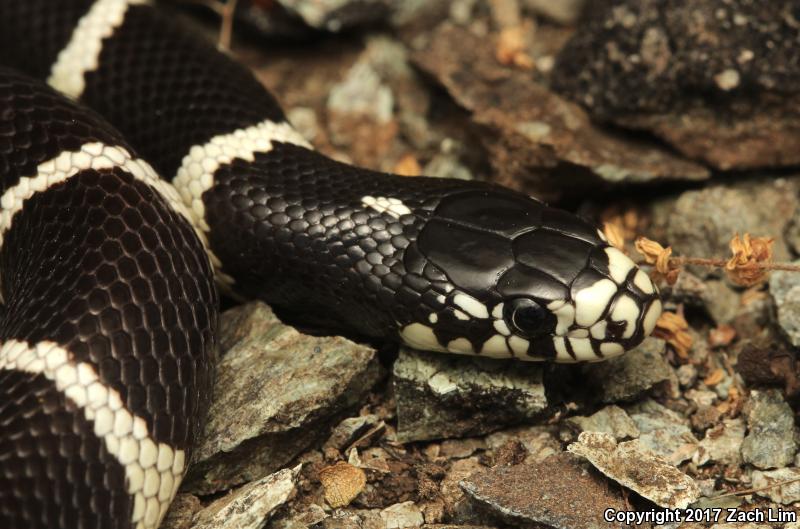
(109, 308)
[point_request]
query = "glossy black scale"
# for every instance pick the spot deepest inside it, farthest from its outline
(101, 266)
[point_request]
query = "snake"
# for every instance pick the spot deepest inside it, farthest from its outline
(144, 174)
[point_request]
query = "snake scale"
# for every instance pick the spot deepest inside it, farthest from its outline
(107, 271)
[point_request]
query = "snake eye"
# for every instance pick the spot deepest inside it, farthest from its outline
(528, 317)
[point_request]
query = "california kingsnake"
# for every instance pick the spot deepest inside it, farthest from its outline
(109, 311)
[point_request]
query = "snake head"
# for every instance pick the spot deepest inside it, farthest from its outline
(521, 279)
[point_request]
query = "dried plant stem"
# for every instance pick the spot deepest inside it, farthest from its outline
(226, 26)
(720, 263)
(750, 491)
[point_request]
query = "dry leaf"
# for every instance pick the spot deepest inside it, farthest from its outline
(674, 329)
(721, 335)
(342, 482)
(511, 46)
(408, 166)
(714, 378)
(749, 253)
(615, 235)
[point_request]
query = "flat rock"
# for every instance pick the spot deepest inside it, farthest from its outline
(702, 222)
(250, 506)
(633, 466)
(628, 376)
(276, 392)
(721, 83)
(722, 444)
(662, 431)
(781, 485)
(785, 290)
(534, 133)
(611, 420)
(771, 440)
(442, 395)
(559, 492)
(402, 515)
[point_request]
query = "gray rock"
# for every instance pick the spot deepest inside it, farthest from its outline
(785, 290)
(722, 444)
(559, 492)
(336, 15)
(781, 485)
(714, 296)
(720, 82)
(276, 392)
(350, 429)
(628, 376)
(456, 396)
(539, 441)
(771, 440)
(563, 11)
(531, 132)
(611, 420)
(181, 512)
(633, 466)
(402, 515)
(687, 375)
(663, 432)
(249, 507)
(703, 221)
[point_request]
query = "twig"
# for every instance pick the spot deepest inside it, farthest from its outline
(750, 491)
(226, 26)
(719, 263)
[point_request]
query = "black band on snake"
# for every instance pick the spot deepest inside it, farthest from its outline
(109, 308)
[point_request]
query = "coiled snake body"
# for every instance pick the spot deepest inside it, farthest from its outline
(109, 310)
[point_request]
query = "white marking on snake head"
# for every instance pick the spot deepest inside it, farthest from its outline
(651, 317)
(460, 346)
(471, 305)
(619, 265)
(565, 314)
(643, 282)
(626, 309)
(582, 347)
(611, 349)
(392, 206)
(420, 337)
(590, 302)
(496, 347)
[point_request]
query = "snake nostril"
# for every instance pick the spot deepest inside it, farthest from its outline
(615, 329)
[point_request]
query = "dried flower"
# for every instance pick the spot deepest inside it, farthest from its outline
(749, 253)
(614, 234)
(408, 166)
(659, 256)
(675, 330)
(511, 48)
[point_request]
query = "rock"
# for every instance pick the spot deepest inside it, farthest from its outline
(181, 512)
(687, 375)
(402, 515)
(766, 484)
(250, 506)
(662, 431)
(771, 440)
(722, 444)
(633, 466)
(721, 83)
(564, 11)
(785, 290)
(714, 296)
(559, 492)
(337, 15)
(276, 392)
(628, 376)
(611, 420)
(766, 364)
(703, 221)
(531, 133)
(461, 509)
(351, 429)
(460, 448)
(453, 396)
(539, 441)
